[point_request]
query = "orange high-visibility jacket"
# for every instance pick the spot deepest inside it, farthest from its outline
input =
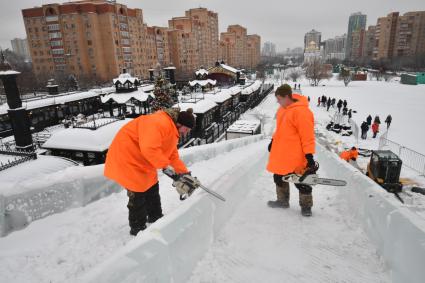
(349, 154)
(293, 138)
(140, 148)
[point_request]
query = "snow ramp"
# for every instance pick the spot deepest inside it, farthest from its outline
(358, 233)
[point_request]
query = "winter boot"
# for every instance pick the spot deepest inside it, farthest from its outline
(282, 193)
(306, 211)
(306, 202)
(135, 230)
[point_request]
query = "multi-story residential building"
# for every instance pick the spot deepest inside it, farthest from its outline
(335, 48)
(357, 44)
(269, 49)
(410, 34)
(20, 47)
(239, 49)
(385, 36)
(87, 38)
(369, 42)
(357, 21)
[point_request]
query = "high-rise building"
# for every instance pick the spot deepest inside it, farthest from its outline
(369, 42)
(312, 36)
(357, 44)
(20, 47)
(194, 40)
(239, 49)
(269, 49)
(335, 48)
(92, 38)
(410, 34)
(385, 36)
(357, 21)
(254, 50)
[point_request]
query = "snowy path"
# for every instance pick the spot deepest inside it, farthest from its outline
(275, 245)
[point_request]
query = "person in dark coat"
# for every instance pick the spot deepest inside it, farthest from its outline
(345, 103)
(339, 105)
(388, 121)
(350, 115)
(333, 102)
(299, 86)
(324, 101)
(328, 104)
(344, 111)
(365, 128)
(377, 120)
(369, 120)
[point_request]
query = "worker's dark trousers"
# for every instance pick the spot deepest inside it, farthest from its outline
(144, 207)
(305, 191)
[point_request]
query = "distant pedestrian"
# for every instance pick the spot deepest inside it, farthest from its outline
(328, 104)
(388, 121)
(295, 86)
(345, 103)
(333, 102)
(365, 128)
(318, 102)
(299, 86)
(344, 111)
(377, 120)
(375, 129)
(308, 98)
(369, 120)
(339, 105)
(350, 115)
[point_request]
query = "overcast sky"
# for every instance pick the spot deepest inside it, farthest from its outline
(282, 22)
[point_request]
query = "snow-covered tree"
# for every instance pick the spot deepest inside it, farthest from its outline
(295, 74)
(344, 75)
(163, 95)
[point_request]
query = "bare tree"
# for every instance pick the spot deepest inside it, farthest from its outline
(295, 74)
(315, 71)
(388, 76)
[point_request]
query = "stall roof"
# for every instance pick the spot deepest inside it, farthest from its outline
(126, 77)
(244, 126)
(58, 99)
(201, 72)
(199, 107)
(122, 98)
(251, 88)
(203, 82)
(75, 139)
(229, 68)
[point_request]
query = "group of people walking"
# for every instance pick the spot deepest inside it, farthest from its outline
(341, 105)
(375, 126)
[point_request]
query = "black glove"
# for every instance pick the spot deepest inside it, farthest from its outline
(312, 166)
(270, 145)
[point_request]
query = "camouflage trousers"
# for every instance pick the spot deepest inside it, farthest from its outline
(283, 192)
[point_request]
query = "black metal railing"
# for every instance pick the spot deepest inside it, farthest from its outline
(16, 158)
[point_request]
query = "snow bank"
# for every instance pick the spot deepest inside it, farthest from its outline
(167, 251)
(77, 186)
(397, 232)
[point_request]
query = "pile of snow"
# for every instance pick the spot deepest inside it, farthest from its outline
(244, 126)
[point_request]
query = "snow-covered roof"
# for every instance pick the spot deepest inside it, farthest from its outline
(122, 98)
(201, 72)
(218, 97)
(9, 72)
(244, 126)
(202, 82)
(199, 107)
(170, 68)
(58, 99)
(251, 88)
(32, 169)
(123, 78)
(229, 68)
(234, 90)
(85, 139)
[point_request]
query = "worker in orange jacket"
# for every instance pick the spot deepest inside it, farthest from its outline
(139, 149)
(350, 154)
(292, 147)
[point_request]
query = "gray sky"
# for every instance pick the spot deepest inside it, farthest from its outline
(282, 22)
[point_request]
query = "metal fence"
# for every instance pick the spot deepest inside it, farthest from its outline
(411, 158)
